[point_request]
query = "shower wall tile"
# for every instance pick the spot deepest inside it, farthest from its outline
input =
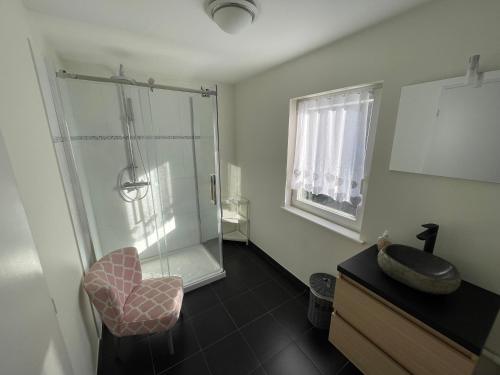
(170, 112)
(178, 231)
(183, 195)
(209, 226)
(204, 196)
(203, 116)
(95, 107)
(174, 158)
(205, 162)
(134, 224)
(118, 223)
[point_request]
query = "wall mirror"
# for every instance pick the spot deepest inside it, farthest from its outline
(450, 128)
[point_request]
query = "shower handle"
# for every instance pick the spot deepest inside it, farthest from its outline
(213, 189)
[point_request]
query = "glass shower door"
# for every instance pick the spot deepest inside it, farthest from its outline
(184, 154)
(207, 162)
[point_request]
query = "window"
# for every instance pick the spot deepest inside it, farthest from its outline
(330, 142)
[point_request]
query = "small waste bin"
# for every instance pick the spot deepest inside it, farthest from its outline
(322, 287)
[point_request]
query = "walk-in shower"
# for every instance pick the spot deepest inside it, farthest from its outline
(144, 164)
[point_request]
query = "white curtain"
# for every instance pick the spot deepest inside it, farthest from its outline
(331, 142)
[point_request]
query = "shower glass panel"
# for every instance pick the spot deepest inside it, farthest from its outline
(206, 158)
(190, 245)
(146, 163)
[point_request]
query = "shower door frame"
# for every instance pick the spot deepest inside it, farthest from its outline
(218, 193)
(74, 182)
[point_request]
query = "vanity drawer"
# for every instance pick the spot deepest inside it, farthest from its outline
(361, 352)
(411, 345)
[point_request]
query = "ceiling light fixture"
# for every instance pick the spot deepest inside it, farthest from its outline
(232, 16)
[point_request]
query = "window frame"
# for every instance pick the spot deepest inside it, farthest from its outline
(333, 219)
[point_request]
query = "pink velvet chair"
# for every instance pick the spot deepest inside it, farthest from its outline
(129, 305)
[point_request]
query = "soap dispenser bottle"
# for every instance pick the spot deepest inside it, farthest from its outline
(383, 240)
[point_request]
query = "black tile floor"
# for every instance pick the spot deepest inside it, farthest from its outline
(252, 322)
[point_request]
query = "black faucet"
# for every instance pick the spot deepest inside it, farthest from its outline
(429, 236)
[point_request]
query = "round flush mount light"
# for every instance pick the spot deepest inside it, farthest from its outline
(232, 16)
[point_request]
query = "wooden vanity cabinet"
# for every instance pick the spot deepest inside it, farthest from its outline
(386, 328)
(381, 339)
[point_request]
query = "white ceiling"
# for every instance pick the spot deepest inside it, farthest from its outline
(176, 37)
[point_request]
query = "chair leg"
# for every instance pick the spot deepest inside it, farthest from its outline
(170, 343)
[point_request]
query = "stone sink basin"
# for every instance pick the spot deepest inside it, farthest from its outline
(418, 269)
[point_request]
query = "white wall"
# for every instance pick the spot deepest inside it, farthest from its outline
(431, 42)
(31, 339)
(28, 142)
(227, 137)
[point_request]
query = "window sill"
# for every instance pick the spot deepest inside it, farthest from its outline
(343, 231)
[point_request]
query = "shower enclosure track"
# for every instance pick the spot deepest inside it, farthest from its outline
(150, 84)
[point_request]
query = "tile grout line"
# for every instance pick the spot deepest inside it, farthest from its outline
(238, 329)
(297, 339)
(272, 277)
(241, 335)
(307, 355)
(294, 340)
(249, 290)
(343, 367)
(280, 270)
(291, 297)
(189, 356)
(201, 351)
(178, 363)
(253, 320)
(310, 359)
(59, 139)
(184, 359)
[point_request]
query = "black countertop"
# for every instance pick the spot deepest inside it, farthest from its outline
(465, 316)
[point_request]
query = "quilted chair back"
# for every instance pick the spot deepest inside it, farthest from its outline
(109, 282)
